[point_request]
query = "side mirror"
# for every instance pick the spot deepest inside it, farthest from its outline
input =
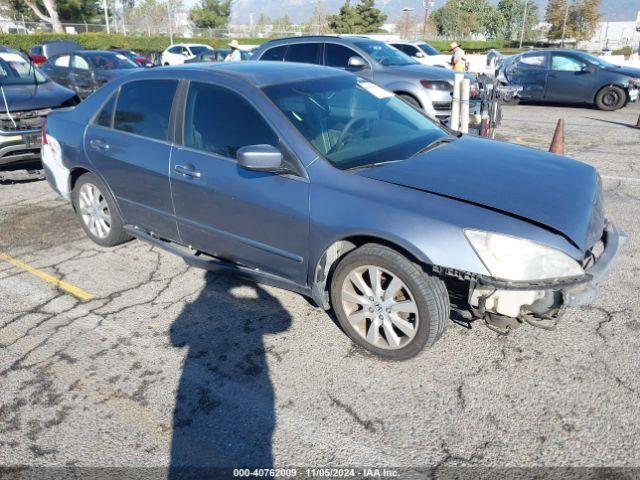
(589, 69)
(260, 158)
(357, 63)
(419, 55)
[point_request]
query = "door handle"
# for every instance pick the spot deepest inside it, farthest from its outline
(98, 144)
(188, 170)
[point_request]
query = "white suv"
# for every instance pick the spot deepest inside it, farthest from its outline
(177, 53)
(423, 53)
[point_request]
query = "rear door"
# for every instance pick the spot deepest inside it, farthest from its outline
(310, 52)
(568, 80)
(530, 72)
(129, 144)
(81, 76)
(256, 219)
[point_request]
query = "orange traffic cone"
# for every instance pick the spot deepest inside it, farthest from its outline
(638, 124)
(557, 144)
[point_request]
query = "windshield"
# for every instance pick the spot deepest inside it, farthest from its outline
(110, 61)
(595, 60)
(200, 49)
(15, 70)
(384, 54)
(352, 122)
(428, 49)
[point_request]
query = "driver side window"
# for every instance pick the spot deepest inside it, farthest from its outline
(220, 121)
(80, 63)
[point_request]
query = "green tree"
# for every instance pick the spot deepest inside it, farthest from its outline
(554, 16)
(363, 18)
(513, 12)
(211, 13)
(583, 19)
(65, 10)
(462, 18)
(282, 24)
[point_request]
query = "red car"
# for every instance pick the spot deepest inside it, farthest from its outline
(131, 55)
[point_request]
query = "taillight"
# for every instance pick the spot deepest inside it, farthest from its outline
(44, 132)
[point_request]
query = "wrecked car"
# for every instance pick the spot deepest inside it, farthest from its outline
(317, 181)
(567, 76)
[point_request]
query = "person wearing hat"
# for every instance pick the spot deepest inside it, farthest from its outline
(458, 62)
(234, 56)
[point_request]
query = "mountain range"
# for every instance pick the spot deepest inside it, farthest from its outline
(300, 10)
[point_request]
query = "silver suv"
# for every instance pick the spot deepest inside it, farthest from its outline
(422, 86)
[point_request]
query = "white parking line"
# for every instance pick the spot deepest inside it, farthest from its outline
(624, 179)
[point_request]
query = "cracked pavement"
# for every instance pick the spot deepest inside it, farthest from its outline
(168, 364)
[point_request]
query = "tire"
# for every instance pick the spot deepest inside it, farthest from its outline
(166, 64)
(410, 100)
(611, 98)
(107, 227)
(425, 302)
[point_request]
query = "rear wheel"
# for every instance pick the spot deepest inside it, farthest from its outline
(611, 98)
(388, 304)
(97, 211)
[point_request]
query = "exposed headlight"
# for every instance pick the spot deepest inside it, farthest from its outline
(635, 82)
(517, 259)
(432, 85)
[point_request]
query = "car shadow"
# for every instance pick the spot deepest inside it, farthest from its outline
(622, 124)
(224, 413)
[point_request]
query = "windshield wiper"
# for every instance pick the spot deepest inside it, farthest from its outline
(435, 143)
(371, 165)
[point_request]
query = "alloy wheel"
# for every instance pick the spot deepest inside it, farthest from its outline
(380, 307)
(94, 210)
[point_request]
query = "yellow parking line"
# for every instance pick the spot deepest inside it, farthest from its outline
(67, 287)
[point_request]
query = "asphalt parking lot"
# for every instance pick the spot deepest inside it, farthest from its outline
(138, 360)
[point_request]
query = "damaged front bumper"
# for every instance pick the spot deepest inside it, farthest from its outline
(532, 301)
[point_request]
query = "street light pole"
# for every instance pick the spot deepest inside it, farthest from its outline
(426, 4)
(524, 21)
(406, 11)
(564, 24)
(170, 22)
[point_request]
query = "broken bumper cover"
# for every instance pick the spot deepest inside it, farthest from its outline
(574, 291)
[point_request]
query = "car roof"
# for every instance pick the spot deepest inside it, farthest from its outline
(321, 38)
(264, 73)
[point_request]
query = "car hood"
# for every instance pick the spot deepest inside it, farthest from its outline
(562, 194)
(632, 72)
(425, 72)
(35, 97)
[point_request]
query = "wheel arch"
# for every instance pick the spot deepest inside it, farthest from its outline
(323, 268)
(76, 172)
(609, 84)
(409, 94)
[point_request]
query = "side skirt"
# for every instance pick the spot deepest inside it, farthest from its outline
(207, 262)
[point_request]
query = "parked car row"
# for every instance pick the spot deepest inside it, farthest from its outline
(242, 167)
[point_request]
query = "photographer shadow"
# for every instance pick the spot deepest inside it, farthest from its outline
(224, 413)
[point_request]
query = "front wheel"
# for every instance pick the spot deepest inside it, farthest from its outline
(388, 304)
(611, 98)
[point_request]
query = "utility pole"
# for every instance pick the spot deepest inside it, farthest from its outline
(564, 24)
(105, 6)
(170, 22)
(524, 21)
(426, 4)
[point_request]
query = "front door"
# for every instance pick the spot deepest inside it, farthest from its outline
(255, 219)
(130, 149)
(338, 56)
(569, 79)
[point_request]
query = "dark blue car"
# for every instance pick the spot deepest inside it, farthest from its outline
(317, 181)
(569, 76)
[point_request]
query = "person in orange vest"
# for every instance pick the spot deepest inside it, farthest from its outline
(458, 62)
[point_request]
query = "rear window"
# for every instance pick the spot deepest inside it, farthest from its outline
(303, 53)
(144, 108)
(275, 54)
